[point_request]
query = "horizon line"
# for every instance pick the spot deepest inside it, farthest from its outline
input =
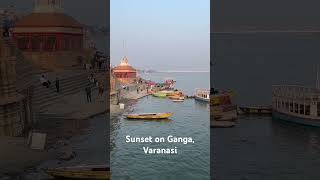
(264, 31)
(178, 71)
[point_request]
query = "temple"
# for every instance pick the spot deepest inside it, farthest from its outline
(48, 30)
(124, 72)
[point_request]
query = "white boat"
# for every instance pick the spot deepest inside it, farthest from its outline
(202, 95)
(296, 104)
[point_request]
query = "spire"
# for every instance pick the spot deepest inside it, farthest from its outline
(46, 6)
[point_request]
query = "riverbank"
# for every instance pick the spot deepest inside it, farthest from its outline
(64, 120)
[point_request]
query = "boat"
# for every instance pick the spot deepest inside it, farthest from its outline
(80, 172)
(176, 97)
(296, 104)
(159, 94)
(150, 115)
(167, 92)
(178, 100)
(202, 95)
(255, 110)
(222, 108)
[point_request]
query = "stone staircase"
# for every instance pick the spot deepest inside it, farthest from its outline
(44, 97)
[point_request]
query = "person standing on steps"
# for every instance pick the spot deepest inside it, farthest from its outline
(58, 85)
(88, 92)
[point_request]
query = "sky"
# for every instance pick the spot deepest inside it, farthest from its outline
(89, 12)
(161, 34)
(233, 15)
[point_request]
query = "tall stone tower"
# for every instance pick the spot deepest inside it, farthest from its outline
(47, 6)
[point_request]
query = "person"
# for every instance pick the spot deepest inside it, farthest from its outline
(88, 92)
(58, 85)
(101, 90)
(44, 81)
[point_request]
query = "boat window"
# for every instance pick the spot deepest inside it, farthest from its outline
(282, 104)
(301, 108)
(291, 107)
(318, 108)
(307, 109)
(287, 106)
(296, 108)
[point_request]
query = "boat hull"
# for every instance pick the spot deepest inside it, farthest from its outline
(79, 173)
(160, 95)
(156, 116)
(297, 120)
(201, 99)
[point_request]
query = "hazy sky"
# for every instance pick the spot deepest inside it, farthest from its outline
(89, 12)
(161, 34)
(265, 14)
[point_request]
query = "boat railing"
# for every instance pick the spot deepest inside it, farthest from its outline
(293, 91)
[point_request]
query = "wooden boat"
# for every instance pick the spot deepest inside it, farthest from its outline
(80, 172)
(159, 94)
(177, 100)
(175, 93)
(202, 95)
(150, 115)
(176, 97)
(167, 92)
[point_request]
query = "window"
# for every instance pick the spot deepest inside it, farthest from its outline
(301, 108)
(296, 108)
(291, 107)
(287, 106)
(307, 110)
(318, 108)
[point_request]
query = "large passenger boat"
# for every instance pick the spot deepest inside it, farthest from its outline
(202, 95)
(296, 104)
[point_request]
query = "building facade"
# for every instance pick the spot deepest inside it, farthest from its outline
(47, 34)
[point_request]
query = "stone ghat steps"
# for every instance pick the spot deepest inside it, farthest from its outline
(65, 86)
(48, 117)
(44, 97)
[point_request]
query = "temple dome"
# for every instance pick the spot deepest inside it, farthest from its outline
(124, 66)
(48, 20)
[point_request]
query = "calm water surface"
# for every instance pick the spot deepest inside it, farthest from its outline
(258, 147)
(190, 119)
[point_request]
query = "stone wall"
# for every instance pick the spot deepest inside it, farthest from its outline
(15, 90)
(10, 122)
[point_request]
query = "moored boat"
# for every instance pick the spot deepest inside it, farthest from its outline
(255, 110)
(159, 94)
(297, 104)
(150, 115)
(176, 97)
(80, 172)
(202, 95)
(177, 100)
(222, 108)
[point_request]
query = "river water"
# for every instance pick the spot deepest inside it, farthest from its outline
(190, 119)
(259, 147)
